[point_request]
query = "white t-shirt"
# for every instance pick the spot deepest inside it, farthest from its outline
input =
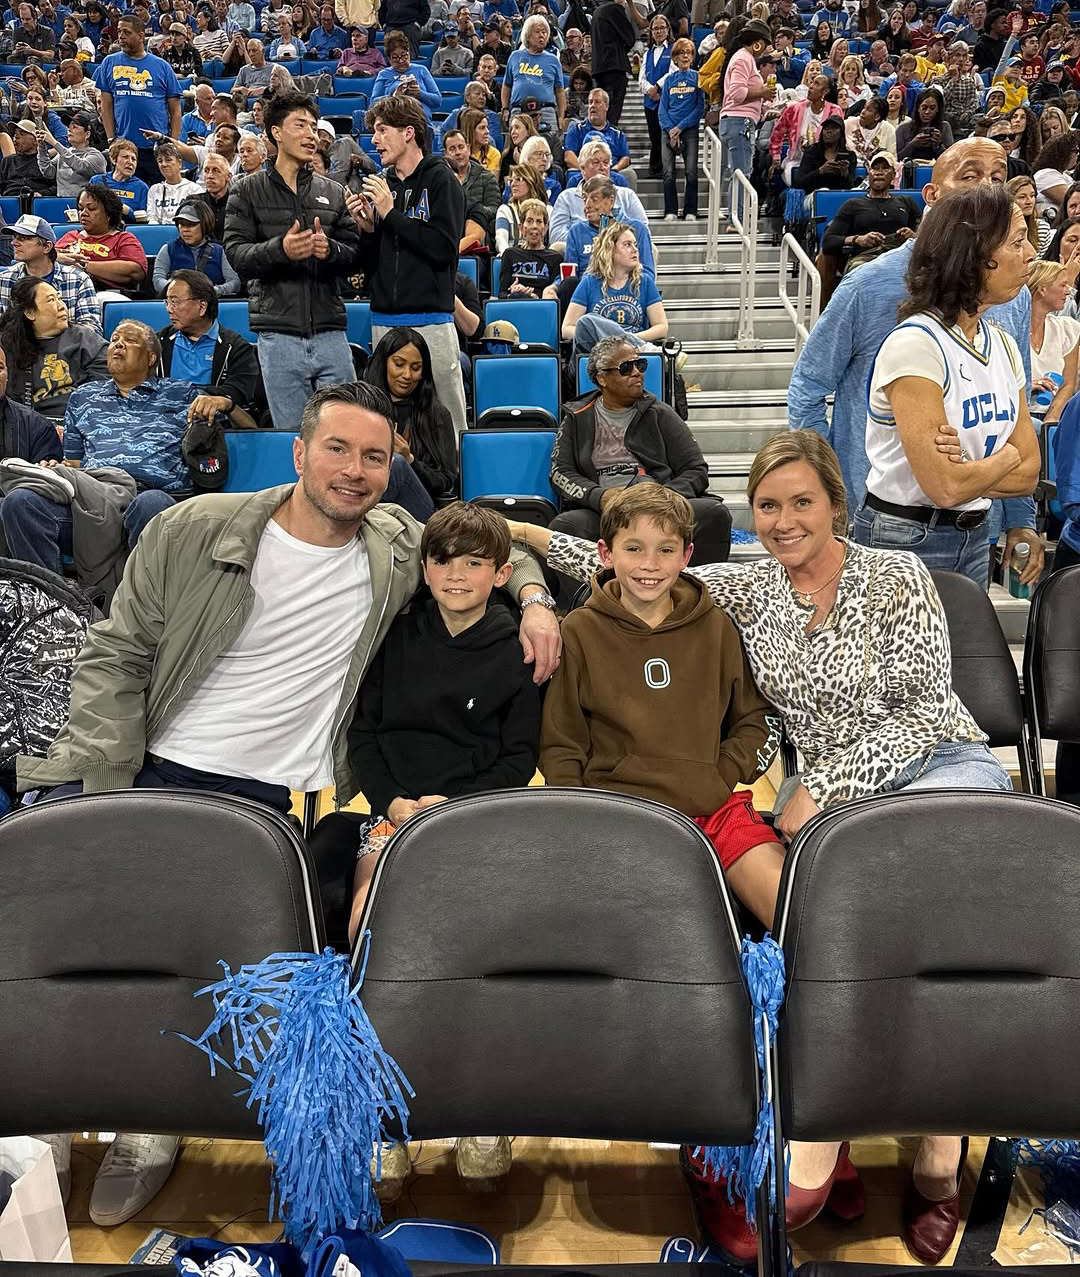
(265, 709)
(982, 385)
(1060, 335)
(1045, 180)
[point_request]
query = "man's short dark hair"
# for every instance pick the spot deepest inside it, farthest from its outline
(452, 133)
(282, 105)
(357, 393)
(226, 100)
(134, 21)
(462, 528)
(110, 202)
(398, 112)
(200, 287)
(598, 184)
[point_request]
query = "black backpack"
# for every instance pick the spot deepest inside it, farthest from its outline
(43, 624)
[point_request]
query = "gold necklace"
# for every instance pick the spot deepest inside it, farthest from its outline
(806, 597)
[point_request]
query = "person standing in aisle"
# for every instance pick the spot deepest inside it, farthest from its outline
(613, 36)
(743, 95)
(411, 220)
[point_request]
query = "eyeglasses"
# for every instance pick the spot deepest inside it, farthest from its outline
(627, 367)
(1003, 137)
(171, 303)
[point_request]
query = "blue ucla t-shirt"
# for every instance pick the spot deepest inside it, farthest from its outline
(627, 306)
(140, 89)
(533, 75)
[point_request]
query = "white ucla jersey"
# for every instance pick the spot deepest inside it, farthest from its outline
(982, 385)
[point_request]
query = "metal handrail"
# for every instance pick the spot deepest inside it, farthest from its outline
(746, 226)
(808, 291)
(713, 168)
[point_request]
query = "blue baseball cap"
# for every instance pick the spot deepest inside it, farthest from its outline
(28, 224)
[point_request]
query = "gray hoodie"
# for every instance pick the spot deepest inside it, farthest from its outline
(72, 166)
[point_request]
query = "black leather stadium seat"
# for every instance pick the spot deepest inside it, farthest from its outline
(983, 671)
(1052, 664)
(115, 909)
(561, 962)
(933, 971)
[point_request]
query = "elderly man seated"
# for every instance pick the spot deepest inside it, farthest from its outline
(133, 422)
(620, 435)
(569, 208)
(597, 126)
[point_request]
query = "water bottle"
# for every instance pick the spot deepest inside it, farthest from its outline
(1045, 398)
(1017, 566)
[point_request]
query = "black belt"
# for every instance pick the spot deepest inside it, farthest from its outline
(965, 520)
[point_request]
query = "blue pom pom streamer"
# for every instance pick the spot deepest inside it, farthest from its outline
(1058, 1162)
(323, 1087)
(744, 1166)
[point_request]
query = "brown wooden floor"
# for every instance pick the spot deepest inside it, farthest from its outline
(564, 1201)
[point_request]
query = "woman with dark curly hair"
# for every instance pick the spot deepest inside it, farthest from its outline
(423, 428)
(948, 427)
(1053, 169)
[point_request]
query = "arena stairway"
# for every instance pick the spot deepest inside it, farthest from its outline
(740, 397)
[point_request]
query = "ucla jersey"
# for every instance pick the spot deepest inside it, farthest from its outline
(982, 385)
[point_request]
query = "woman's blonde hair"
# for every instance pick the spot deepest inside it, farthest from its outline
(1043, 273)
(603, 255)
(469, 121)
(808, 446)
(532, 179)
(811, 71)
(849, 63)
(533, 205)
(834, 52)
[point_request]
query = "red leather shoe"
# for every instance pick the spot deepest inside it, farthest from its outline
(804, 1204)
(847, 1201)
(929, 1227)
(723, 1224)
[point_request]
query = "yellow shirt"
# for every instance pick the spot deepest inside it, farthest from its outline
(491, 160)
(925, 70)
(1015, 94)
(710, 73)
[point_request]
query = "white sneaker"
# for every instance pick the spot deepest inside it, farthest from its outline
(690, 217)
(670, 217)
(132, 1173)
(395, 1168)
(61, 1151)
(481, 1160)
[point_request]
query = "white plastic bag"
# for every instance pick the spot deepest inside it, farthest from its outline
(33, 1227)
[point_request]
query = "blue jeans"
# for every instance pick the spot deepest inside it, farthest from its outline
(943, 547)
(688, 149)
(160, 773)
(953, 765)
(38, 530)
(737, 138)
(293, 368)
(591, 328)
(406, 490)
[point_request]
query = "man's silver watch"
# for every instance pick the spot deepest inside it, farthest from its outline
(542, 597)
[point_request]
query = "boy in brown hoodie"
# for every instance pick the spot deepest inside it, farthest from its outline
(654, 696)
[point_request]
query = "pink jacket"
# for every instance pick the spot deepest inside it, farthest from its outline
(788, 127)
(742, 75)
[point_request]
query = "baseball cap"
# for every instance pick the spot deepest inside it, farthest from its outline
(187, 213)
(179, 28)
(1015, 62)
(1056, 66)
(28, 224)
(451, 28)
(324, 126)
(887, 156)
(492, 24)
(501, 330)
(27, 126)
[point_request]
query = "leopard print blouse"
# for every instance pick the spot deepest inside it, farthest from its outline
(864, 695)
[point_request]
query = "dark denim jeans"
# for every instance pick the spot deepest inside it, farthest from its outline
(688, 149)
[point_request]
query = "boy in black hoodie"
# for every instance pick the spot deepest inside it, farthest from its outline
(411, 220)
(447, 707)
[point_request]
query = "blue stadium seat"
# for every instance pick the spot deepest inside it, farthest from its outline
(360, 85)
(259, 459)
(516, 381)
(469, 266)
(923, 174)
(364, 140)
(345, 105)
(358, 323)
(292, 65)
(148, 312)
(234, 315)
(9, 208)
(451, 84)
(536, 321)
(153, 238)
(316, 66)
(512, 464)
(654, 376)
(53, 208)
(223, 84)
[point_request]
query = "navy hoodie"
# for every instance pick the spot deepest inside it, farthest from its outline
(447, 715)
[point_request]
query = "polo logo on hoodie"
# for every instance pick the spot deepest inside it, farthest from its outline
(657, 673)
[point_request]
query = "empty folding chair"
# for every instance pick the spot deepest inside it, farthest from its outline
(1052, 675)
(528, 383)
(513, 463)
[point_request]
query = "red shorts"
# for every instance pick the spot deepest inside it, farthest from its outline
(735, 828)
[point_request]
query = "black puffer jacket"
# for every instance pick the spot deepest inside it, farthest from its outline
(295, 298)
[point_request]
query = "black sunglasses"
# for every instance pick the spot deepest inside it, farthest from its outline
(1004, 137)
(627, 367)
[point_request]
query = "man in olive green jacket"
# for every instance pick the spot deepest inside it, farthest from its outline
(163, 671)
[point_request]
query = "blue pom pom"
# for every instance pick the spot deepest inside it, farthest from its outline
(744, 1166)
(323, 1087)
(1058, 1162)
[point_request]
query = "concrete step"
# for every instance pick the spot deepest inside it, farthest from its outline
(732, 374)
(717, 436)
